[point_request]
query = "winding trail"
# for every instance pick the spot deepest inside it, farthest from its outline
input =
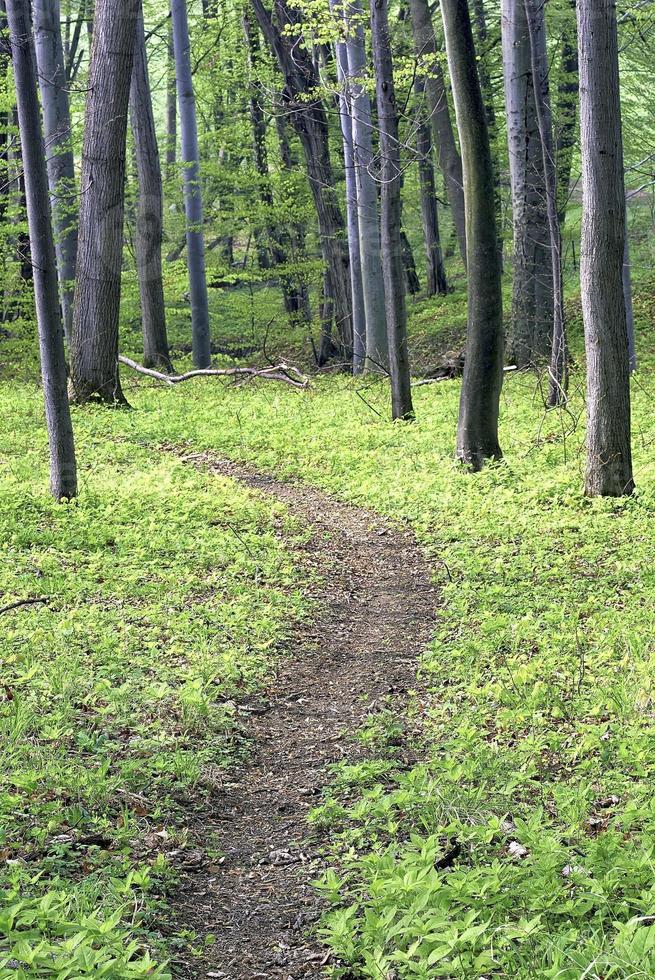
(376, 615)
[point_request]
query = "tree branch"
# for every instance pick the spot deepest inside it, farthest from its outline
(278, 372)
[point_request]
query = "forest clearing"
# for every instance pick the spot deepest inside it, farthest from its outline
(327, 487)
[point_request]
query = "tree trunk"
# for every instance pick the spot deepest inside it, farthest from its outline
(477, 434)
(63, 471)
(171, 105)
(192, 187)
(57, 134)
(352, 211)
(540, 70)
(568, 92)
(627, 296)
(609, 454)
(309, 119)
(436, 272)
(148, 236)
(391, 207)
(377, 348)
(94, 356)
(298, 232)
(450, 162)
(487, 88)
(531, 319)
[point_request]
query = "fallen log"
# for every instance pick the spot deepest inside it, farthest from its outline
(279, 372)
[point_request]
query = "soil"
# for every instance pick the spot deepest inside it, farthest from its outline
(375, 615)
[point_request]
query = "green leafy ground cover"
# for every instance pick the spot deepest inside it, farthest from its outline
(523, 843)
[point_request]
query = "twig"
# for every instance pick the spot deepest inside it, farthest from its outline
(24, 602)
(278, 372)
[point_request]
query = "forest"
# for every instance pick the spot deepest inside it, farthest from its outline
(327, 490)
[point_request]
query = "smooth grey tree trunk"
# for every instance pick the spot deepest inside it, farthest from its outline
(477, 433)
(377, 347)
(352, 219)
(57, 134)
(63, 470)
(94, 354)
(391, 209)
(531, 321)
(149, 223)
(559, 358)
(308, 117)
(450, 162)
(609, 453)
(436, 272)
(195, 236)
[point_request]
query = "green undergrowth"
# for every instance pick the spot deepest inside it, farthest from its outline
(523, 842)
(167, 594)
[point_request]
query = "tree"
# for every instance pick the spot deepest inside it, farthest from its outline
(308, 117)
(195, 236)
(436, 272)
(477, 433)
(391, 209)
(94, 355)
(57, 132)
(63, 470)
(377, 349)
(425, 44)
(540, 70)
(352, 219)
(609, 454)
(531, 321)
(148, 233)
(171, 105)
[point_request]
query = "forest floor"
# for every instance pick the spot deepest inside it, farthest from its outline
(495, 820)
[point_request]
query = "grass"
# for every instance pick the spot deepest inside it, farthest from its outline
(522, 844)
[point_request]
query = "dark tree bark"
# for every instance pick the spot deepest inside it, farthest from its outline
(481, 39)
(57, 133)
(477, 434)
(425, 44)
(531, 321)
(609, 453)
(352, 219)
(308, 117)
(63, 471)
(412, 281)
(149, 226)
(540, 69)
(436, 273)
(391, 207)
(94, 356)
(568, 92)
(377, 347)
(195, 235)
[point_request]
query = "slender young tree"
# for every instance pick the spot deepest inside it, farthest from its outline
(477, 433)
(377, 348)
(308, 117)
(94, 355)
(559, 358)
(391, 204)
(531, 320)
(436, 272)
(148, 233)
(568, 91)
(609, 453)
(195, 235)
(425, 44)
(352, 220)
(63, 471)
(171, 105)
(57, 132)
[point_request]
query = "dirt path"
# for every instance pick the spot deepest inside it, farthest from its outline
(377, 607)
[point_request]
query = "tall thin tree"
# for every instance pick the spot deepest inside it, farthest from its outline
(149, 219)
(195, 235)
(609, 453)
(57, 132)
(63, 470)
(477, 433)
(94, 355)
(391, 205)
